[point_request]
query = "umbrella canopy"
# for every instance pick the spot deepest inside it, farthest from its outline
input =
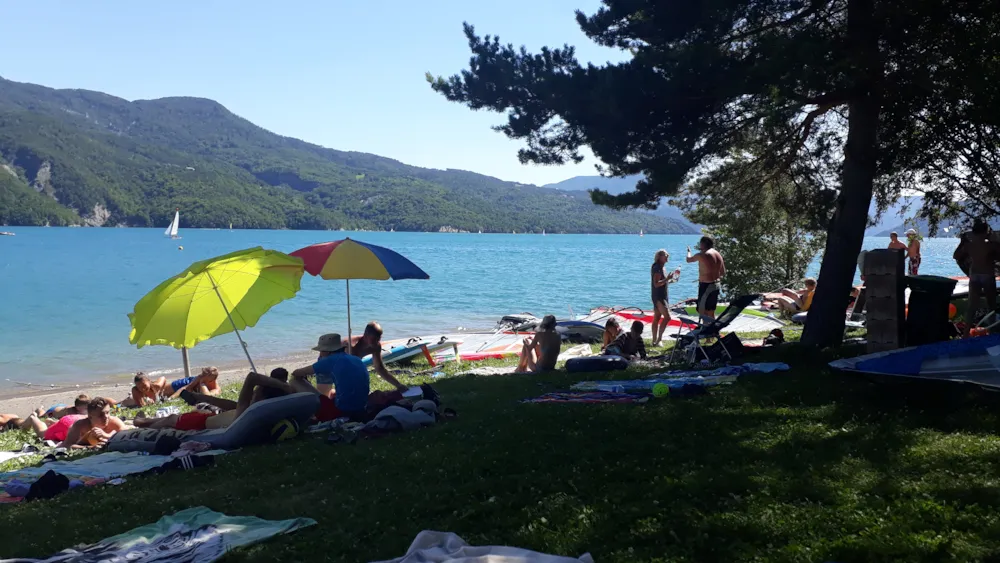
(354, 260)
(215, 296)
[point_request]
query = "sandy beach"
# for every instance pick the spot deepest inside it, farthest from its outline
(24, 399)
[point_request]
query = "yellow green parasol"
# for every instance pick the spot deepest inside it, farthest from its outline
(215, 296)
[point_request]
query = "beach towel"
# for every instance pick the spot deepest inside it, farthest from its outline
(625, 385)
(107, 465)
(96, 470)
(189, 536)
(7, 456)
(588, 397)
(446, 547)
(489, 371)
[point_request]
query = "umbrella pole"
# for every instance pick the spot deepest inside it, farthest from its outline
(186, 360)
(230, 317)
(348, 316)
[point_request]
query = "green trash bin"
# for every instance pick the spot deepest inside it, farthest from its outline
(927, 320)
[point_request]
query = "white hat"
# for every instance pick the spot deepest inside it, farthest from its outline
(911, 232)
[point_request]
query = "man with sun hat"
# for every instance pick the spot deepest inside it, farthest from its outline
(341, 379)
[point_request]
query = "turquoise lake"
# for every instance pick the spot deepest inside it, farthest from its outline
(65, 293)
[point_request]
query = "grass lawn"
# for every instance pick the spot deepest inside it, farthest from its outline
(804, 466)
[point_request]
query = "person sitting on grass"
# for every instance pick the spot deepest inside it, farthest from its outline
(341, 380)
(541, 351)
(630, 344)
(611, 333)
(792, 301)
(256, 387)
(206, 383)
(14, 422)
(371, 343)
(96, 429)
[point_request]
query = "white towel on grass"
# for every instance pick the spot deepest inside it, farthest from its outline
(446, 547)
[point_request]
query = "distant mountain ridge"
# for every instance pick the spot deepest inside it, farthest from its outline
(616, 186)
(81, 157)
(892, 220)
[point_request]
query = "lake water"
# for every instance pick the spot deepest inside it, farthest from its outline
(65, 293)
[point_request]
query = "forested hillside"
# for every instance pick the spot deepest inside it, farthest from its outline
(82, 157)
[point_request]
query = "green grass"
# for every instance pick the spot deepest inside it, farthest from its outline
(803, 466)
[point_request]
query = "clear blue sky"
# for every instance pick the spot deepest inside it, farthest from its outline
(346, 75)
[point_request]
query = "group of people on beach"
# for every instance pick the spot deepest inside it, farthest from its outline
(87, 423)
(540, 352)
(342, 383)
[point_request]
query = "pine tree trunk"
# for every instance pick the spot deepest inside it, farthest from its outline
(825, 325)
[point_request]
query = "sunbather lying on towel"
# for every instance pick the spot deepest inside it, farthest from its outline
(541, 351)
(56, 412)
(792, 301)
(206, 383)
(256, 387)
(96, 429)
(14, 422)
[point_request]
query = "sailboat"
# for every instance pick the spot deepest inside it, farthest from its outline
(172, 229)
(543, 232)
(640, 232)
(230, 226)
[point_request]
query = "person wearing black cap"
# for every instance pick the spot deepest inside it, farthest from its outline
(541, 351)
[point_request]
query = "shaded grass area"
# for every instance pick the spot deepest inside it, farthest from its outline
(802, 466)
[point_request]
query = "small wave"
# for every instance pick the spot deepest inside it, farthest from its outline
(159, 372)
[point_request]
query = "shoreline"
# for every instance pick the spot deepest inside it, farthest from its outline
(24, 399)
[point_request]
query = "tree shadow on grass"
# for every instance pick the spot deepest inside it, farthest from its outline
(783, 467)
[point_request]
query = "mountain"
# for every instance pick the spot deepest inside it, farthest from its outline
(617, 186)
(891, 220)
(81, 157)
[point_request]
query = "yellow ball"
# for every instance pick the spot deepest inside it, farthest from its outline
(661, 390)
(284, 430)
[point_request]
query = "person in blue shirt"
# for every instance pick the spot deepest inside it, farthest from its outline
(341, 379)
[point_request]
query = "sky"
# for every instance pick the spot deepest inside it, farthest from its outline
(347, 75)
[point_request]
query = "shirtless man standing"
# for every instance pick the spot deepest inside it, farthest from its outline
(981, 252)
(711, 268)
(913, 251)
(895, 243)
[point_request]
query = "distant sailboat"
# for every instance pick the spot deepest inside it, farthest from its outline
(543, 232)
(230, 226)
(172, 229)
(640, 232)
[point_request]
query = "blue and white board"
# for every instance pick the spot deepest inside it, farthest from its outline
(403, 351)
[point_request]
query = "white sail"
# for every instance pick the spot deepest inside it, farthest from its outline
(172, 229)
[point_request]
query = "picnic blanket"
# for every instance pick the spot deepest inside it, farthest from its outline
(446, 547)
(588, 397)
(625, 385)
(89, 471)
(189, 536)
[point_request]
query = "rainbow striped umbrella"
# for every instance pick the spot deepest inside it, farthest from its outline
(355, 260)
